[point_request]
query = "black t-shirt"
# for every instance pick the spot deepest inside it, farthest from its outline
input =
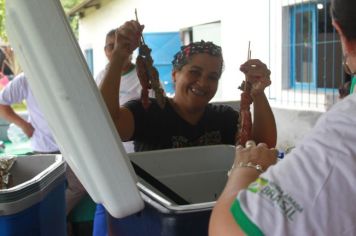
(157, 128)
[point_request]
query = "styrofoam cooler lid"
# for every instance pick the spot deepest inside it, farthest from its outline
(69, 98)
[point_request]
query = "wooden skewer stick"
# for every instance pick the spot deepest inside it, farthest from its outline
(142, 39)
(248, 58)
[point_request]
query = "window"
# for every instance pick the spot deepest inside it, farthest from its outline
(303, 50)
(207, 32)
(163, 45)
(316, 55)
(88, 54)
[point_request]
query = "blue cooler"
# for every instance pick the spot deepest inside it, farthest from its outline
(35, 205)
(179, 188)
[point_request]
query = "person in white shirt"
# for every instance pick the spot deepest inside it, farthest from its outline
(130, 87)
(37, 129)
(36, 126)
(311, 191)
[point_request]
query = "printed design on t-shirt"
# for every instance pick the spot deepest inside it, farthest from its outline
(209, 138)
(257, 185)
(275, 195)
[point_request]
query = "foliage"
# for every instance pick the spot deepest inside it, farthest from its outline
(19, 107)
(3, 35)
(74, 20)
(67, 5)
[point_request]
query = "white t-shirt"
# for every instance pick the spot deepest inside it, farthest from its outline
(130, 89)
(312, 190)
(17, 91)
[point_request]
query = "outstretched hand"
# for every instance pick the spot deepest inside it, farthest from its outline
(127, 38)
(257, 74)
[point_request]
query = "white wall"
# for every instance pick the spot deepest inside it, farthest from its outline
(292, 124)
(238, 26)
(241, 22)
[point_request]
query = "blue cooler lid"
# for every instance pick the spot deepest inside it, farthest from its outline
(69, 98)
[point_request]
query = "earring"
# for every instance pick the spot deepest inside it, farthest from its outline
(346, 66)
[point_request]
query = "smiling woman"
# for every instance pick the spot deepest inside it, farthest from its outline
(188, 119)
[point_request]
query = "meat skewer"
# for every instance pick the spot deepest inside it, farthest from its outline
(245, 118)
(148, 75)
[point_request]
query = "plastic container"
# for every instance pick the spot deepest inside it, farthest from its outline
(15, 134)
(35, 205)
(196, 175)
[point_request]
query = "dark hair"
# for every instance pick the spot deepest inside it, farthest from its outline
(344, 13)
(111, 33)
(182, 57)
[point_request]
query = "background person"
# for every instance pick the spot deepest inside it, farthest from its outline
(310, 192)
(37, 129)
(130, 87)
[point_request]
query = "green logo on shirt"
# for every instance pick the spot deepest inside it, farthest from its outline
(273, 193)
(257, 185)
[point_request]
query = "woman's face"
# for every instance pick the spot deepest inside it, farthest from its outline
(109, 46)
(196, 83)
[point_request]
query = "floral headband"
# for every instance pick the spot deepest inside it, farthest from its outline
(186, 52)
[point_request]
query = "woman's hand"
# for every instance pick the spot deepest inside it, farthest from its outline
(240, 178)
(257, 74)
(257, 155)
(127, 39)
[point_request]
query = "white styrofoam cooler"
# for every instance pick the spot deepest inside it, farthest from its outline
(197, 175)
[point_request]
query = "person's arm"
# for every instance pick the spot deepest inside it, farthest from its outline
(264, 126)
(7, 113)
(221, 220)
(126, 40)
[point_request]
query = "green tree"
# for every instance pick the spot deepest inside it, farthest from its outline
(74, 20)
(3, 35)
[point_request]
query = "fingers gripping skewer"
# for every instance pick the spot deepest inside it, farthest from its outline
(148, 74)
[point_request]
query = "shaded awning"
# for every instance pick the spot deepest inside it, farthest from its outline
(80, 8)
